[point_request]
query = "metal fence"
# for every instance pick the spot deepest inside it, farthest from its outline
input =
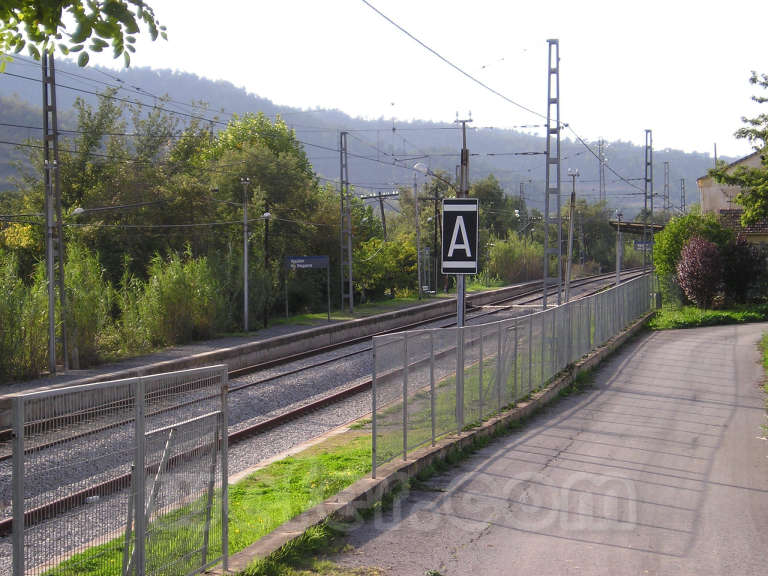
(126, 477)
(427, 383)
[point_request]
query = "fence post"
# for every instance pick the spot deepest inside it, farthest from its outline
(514, 363)
(405, 395)
(543, 345)
(499, 366)
(17, 405)
(373, 413)
(225, 469)
(138, 514)
(530, 351)
(480, 376)
(432, 401)
(460, 378)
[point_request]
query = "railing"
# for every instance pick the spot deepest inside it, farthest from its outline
(128, 476)
(427, 383)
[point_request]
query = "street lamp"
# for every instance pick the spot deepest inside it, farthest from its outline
(266, 216)
(573, 174)
(245, 181)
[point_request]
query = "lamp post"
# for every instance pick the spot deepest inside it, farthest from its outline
(266, 216)
(418, 235)
(245, 181)
(573, 174)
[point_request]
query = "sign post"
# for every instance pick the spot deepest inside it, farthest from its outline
(459, 244)
(309, 263)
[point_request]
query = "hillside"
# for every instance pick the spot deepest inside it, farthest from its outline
(379, 155)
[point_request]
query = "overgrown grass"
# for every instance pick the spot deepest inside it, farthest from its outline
(669, 318)
(258, 504)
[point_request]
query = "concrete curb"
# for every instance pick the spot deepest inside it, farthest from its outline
(347, 504)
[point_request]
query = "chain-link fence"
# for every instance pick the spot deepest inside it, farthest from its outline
(126, 477)
(427, 383)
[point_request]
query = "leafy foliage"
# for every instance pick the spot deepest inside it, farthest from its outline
(39, 26)
(515, 259)
(741, 268)
(668, 244)
(753, 181)
(89, 302)
(699, 271)
(23, 321)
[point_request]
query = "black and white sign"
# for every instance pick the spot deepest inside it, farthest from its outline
(459, 236)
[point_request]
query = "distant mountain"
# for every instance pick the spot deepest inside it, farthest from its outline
(379, 154)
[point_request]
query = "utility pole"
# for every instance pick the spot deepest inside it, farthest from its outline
(54, 227)
(682, 195)
(648, 193)
(571, 209)
(380, 197)
(418, 233)
(266, 216)
(245, 181)
(601, 155)
(552, 185)
(347, 283)
(666, 187)
(463, 193)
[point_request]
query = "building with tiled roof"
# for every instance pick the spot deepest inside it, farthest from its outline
(717, 198)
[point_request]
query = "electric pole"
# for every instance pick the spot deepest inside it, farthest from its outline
(648, 193)
(463, 193)
(571, 209)
(347, 285)
(54, 236)
(666, 188)
(245, 182)
(601, 155)
(682, 195)
(552, 185)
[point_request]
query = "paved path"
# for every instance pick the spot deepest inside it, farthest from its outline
(659, 468)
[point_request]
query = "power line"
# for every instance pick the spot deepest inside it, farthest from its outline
(484, 85)
(451, 64)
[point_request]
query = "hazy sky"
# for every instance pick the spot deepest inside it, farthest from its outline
(678, 67)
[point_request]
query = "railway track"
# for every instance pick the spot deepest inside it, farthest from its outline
(123, 481)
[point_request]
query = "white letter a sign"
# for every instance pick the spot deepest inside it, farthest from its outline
(459, 228)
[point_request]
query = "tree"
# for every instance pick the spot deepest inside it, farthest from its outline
(741, 268)
(699, 271)
(753, 181)
(40, 27)
(669, 243)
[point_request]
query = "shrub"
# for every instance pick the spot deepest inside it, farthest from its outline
(89, 302)
(741, 268)
(699, 271)
(23, 321)
(515, 259)
(669, 243)
(180, 300)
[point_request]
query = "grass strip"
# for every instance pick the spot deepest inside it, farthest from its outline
(669, 318)
(258, 504)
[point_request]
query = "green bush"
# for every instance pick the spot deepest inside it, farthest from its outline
(516, 259)
(180, 300)
(23, 321)
(89, 303)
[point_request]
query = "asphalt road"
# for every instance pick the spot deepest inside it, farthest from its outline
(659, 468)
